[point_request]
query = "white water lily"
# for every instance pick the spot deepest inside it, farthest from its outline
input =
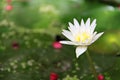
(81, 35)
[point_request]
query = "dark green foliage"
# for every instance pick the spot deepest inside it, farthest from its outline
(33, 25)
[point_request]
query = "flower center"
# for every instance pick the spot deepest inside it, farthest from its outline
(82, 37)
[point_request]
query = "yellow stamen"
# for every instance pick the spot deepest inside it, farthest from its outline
(82, 37)
(77, 38)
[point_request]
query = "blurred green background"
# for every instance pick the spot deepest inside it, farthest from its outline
(29, 29)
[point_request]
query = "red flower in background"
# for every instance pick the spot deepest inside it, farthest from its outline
(57, 45)
(15, 45)
(53, 76)
(9, 1)
(100, 77)
(9, 7)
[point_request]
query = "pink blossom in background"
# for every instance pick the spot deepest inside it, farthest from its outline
(100, 77)
(9, 1)
(15, 45)
(9, 7)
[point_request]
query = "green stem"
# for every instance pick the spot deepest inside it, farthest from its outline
(91, 65)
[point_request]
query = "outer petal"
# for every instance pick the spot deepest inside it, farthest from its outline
(94, 33)
(73, 43)
(82, 23)
(76, 24)
(88, 23)
(93, 25)
(80, 50)
(71, 25)
(68, 34)
(72, 28)
(83, 26)
(87, 26)
(96, 37)
(67, 42)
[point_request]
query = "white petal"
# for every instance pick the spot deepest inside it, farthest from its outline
(96, 37)
(88, 23)
(80, 50)
(71, 25)
(93, 25)
(74, 43)
(68, 34)
(94, 34)
(82, 23)
(67, 42)
(87, 26)
(76, 23)
(94, 22)
(93, 28)
(82, 27)
(72, 28)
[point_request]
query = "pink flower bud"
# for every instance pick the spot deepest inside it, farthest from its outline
(53, 76)
(57, 45)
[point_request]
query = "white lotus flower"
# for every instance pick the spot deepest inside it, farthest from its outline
(81, 35)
